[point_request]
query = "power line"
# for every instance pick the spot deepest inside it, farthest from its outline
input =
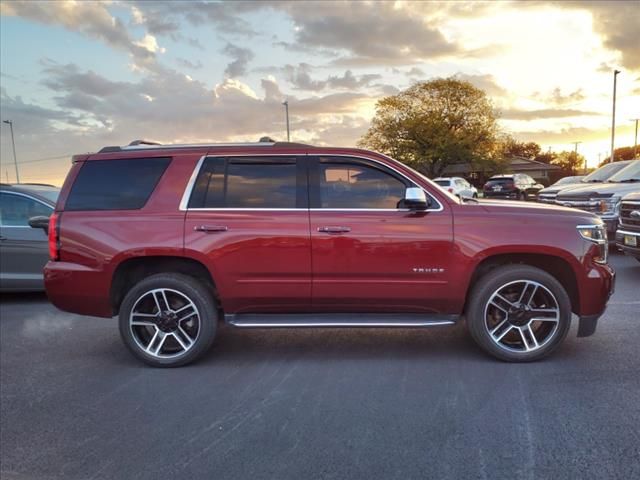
(45, 159)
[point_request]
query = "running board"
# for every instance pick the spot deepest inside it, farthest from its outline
(332, 320)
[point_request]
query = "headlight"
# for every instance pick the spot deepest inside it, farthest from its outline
(596, 234)
(609, 206)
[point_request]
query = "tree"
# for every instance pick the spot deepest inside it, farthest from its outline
(622, 153)
(514, 148)
(435, 124)
(569, 162)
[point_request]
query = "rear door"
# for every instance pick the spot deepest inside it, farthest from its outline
(23, 250)
(248, 218)
(369, 252)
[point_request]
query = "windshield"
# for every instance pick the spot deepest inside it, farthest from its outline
(603, 173)
(569, 180)
(50, 193)
(629, 174)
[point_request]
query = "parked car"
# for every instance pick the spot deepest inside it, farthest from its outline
(23, 250)
(458, 186)
(604, 198)
(173, 237)
(602, 174)
(516, 186)
(628, 233)
(548, 194)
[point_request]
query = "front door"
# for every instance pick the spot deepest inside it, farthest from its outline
(23, 250)
(248, 219)
(369, 253)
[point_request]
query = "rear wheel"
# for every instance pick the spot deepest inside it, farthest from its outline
(168, 320)
(522, 196)
(518, 313)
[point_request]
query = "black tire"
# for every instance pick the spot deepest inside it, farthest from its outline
(482, 293)
(522, 196)
(475, 195)
(196, 292)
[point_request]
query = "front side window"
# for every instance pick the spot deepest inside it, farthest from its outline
(246, 183)
(16, 210)
(347, 185)
(115, 184)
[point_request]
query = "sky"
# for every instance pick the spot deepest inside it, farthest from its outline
(80, 75)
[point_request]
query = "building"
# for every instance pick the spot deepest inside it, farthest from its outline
(543, 172)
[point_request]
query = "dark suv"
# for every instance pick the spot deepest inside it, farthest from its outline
(174, 238)
(517, 186)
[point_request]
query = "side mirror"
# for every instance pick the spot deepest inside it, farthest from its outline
(415, 199)
(40, 222)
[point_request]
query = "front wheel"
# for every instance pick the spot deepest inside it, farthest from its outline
(518, 313)
(168, 320)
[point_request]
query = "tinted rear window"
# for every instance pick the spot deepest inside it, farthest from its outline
(442, 183)
(501, 180)
(115, 184)
(247, 183)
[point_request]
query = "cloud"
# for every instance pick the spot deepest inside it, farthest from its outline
(485, 82)
(369, 33)
(231, 110)
(184, 63)
(88, 18)
(415, 72)
(300, 77)
(546, 113)
(617, 22)
(558, 98)
(241, 58)
(225, 17)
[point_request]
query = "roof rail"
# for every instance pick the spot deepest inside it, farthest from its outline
(148, 145)
(143, 142)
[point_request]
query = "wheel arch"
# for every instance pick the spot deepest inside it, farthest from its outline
(555, 265)
(134, 269)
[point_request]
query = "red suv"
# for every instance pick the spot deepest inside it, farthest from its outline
(174, 238)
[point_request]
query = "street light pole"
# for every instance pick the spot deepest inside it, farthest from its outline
(575, 154)
(613, 116)
(13, 143)
(635, 142)
(286, 109)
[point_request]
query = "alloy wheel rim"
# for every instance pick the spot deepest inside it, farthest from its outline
(164, 323)
(522, 316)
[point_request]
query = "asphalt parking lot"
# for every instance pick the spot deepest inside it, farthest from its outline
(318, 404)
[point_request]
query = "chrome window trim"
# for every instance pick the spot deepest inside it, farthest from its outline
(184, 201)
(20, 194)
(192, 180)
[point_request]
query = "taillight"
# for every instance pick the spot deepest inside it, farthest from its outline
(486, 186)
(509, 184)
(450, 190)
(54, 237)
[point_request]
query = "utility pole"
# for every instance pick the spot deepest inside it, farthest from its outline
(15, 161)
(575, 154)
(613, 117)
(635, 142)
(286, 109)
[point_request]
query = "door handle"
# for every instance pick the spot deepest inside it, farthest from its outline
(211, 228)
(335, 229)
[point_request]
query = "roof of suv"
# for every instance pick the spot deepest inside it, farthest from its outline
(149, 145)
